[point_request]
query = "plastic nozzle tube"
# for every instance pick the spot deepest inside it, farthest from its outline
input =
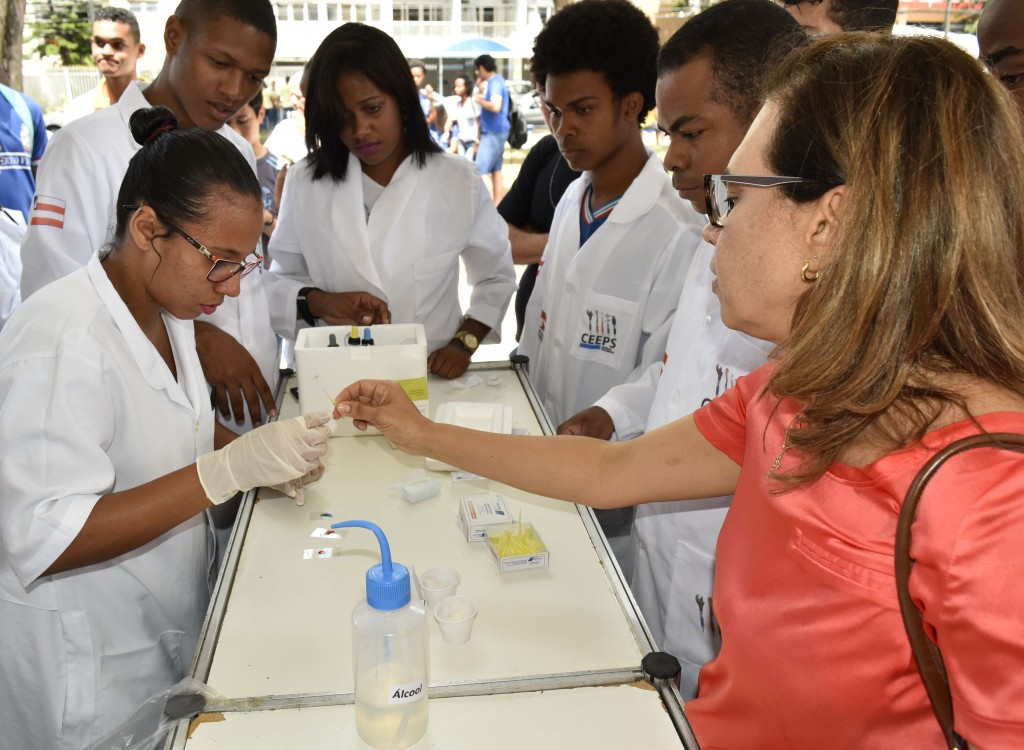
(385, 548)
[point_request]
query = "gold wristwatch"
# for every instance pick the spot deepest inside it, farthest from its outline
(468, 340)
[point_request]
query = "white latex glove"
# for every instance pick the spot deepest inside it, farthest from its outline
(270, 455)
(295, 488)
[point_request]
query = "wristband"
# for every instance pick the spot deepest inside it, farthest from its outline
(303, 305)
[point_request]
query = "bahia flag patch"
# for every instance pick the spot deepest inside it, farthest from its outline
(47, 211)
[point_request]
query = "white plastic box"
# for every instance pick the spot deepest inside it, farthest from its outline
(481, 514)
(399, 353)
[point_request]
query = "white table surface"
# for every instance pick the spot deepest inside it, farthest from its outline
(287, 626)
(594, 718)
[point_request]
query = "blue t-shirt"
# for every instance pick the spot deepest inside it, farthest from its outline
(20, 150)
(592, 219)
(495, 122)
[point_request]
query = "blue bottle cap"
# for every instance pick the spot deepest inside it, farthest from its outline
(387, 583)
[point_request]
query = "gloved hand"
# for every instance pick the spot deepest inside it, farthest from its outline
(295, 488)
(269, 455)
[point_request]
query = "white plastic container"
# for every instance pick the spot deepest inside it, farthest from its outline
(389, 655)
(399, 353)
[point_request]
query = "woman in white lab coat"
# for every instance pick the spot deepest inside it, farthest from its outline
(108, 439)
(396, 220)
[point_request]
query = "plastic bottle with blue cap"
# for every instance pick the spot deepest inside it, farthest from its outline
(389, 654)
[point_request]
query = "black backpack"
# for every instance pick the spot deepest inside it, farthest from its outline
(516, 124)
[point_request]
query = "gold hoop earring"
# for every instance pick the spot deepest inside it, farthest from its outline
(808, 276)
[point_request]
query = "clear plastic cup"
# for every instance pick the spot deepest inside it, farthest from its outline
(455, 616)
(439, 583)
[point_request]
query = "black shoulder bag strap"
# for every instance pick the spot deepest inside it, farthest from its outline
(926, 653)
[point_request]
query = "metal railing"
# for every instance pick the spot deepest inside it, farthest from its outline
(53, 89)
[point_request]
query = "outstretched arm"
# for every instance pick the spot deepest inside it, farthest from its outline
(675, 462)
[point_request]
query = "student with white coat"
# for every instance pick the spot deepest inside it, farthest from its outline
(396, 220)
(109, 469)
(706, 97)
(621, 240)
(216, 52)
(671, 560)
(12, 231)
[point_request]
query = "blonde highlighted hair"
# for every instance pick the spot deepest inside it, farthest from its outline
(926, 276)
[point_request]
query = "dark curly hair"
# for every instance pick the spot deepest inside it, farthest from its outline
(610, 37)
(743, 41)
(857, 15)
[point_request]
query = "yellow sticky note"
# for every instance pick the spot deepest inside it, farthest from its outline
(415, 388)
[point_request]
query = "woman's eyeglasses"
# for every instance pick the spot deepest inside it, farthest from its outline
(716, 191)
(222, 269)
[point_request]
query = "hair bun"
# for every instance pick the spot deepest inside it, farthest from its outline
(147, 124)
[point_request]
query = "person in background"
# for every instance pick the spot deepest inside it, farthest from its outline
(842, 235)
(12, 230)
(218, 52)
(492, 96)
(820, 17)
(270, 112)
(246, 122)
(287, 141)
(462, 128)
(361, 211)
(620, 238)
(286, 98)
(23, 141)
(710, 75)
(116, 47)
(426, 93)
(112, 458)
(529, 206)
(1001, 43)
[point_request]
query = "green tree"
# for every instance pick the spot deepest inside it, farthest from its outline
(62, 28)
(12, 19)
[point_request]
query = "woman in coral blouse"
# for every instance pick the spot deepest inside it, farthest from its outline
(870, 226)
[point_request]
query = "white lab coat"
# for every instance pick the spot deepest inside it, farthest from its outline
(407, 252)
(12, 231)
(287, 141)
(80, 175)
(673, 544)
(88, 407)
(600, 314)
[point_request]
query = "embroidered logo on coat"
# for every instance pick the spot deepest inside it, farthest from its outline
(602, 328)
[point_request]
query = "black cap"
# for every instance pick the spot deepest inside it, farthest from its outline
(658, 665)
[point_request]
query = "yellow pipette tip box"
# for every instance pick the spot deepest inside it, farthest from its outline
(510, 555)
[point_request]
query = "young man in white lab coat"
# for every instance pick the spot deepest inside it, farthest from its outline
(214, 65)
(620, 240)
(708, 75)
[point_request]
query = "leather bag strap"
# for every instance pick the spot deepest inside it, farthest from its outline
(926, 653)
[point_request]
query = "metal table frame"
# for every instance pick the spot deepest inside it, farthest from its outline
(203, 659)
